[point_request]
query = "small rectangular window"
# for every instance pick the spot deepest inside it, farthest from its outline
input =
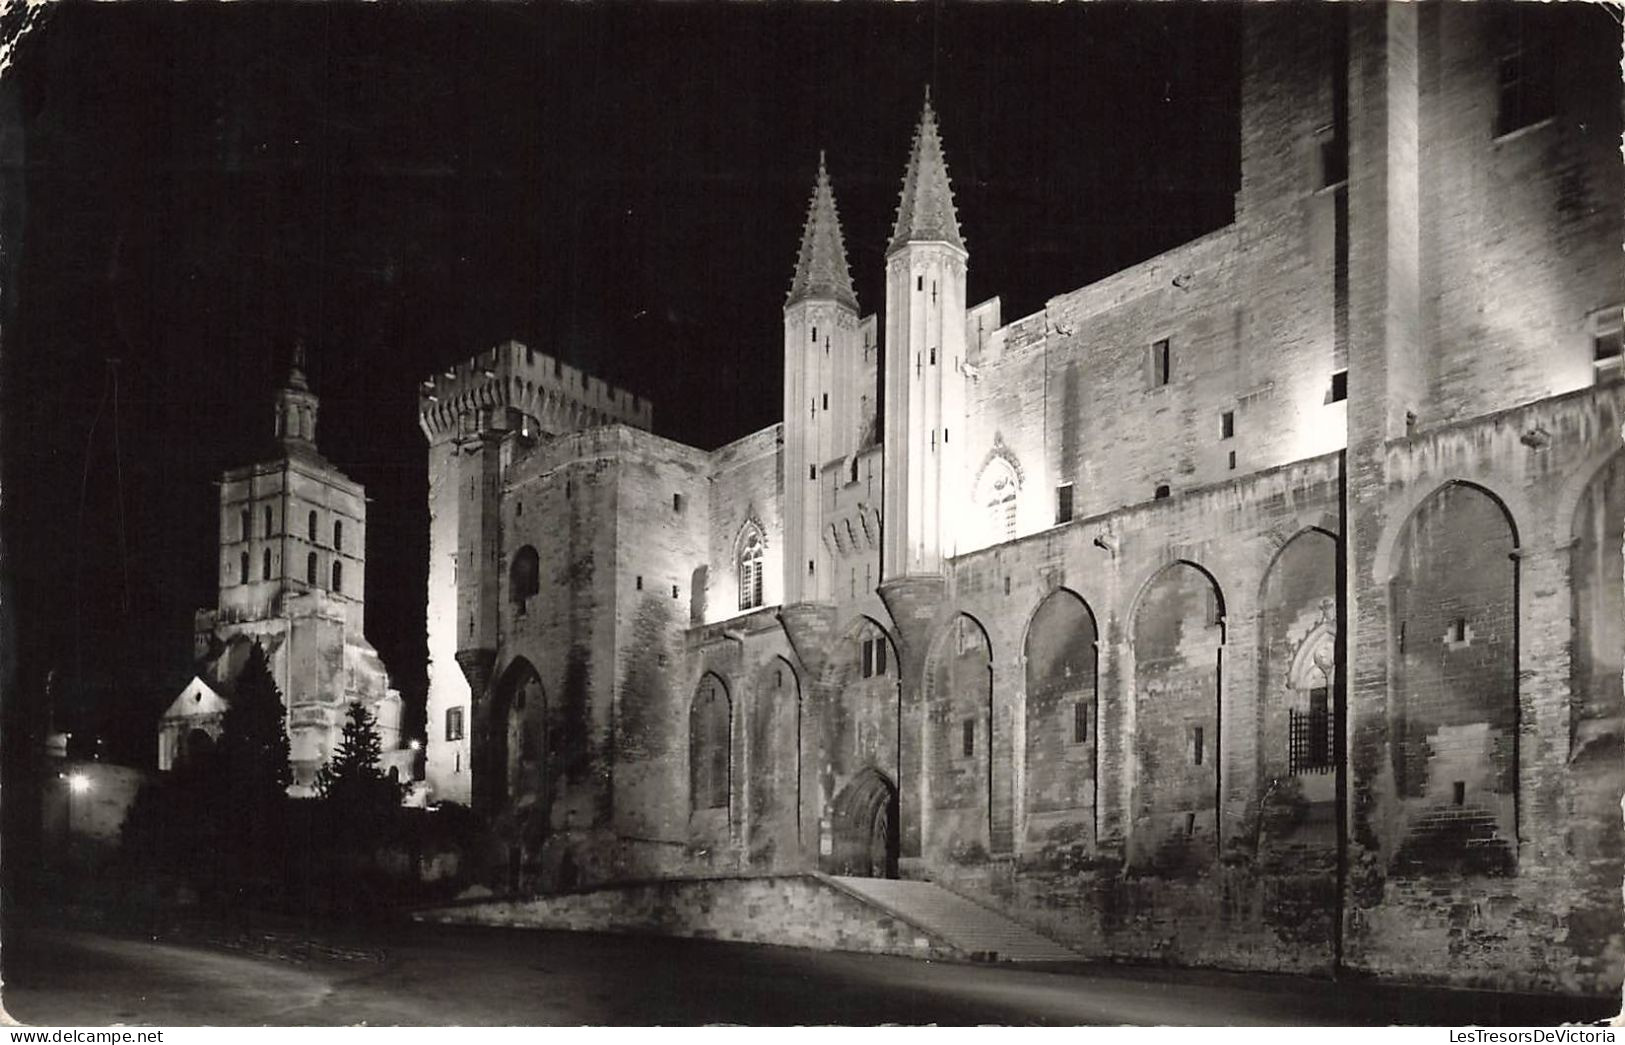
(919, 282)
(1459, 792)
(1458, 630)
(1160, 370)
(868, 659)
(968, 738)
(676, 502)
(813, 335)
(1063, 503)
(1332, 152)
(1197, 746)
(809, 566)
(1340, 386)
(454, 723)
(880, 656)
(826, 400)
(1227, 424)
(1607, 341)
(1080, 722)
(812, 471)
(640, 582)
(674, 591)
(1232, 460)
(1162, 492)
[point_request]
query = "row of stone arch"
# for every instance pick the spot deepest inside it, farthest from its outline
(1453, 583)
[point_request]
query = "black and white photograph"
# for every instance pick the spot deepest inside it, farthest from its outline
(603, 514)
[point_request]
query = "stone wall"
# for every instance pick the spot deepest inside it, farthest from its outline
(801, 910)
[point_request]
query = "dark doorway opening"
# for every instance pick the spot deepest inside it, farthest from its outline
(864, 828)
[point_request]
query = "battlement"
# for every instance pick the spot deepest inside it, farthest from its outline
(558, 397)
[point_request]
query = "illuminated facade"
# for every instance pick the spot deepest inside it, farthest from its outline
(1258, 605)
(293, 570)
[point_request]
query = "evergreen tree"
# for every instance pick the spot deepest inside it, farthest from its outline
(353, 775)
(254, 753)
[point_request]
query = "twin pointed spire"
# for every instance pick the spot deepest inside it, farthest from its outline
(821, 270)
(924, 214)
(926, 211)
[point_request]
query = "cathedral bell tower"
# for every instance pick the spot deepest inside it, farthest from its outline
(925, 354)
(820, 334)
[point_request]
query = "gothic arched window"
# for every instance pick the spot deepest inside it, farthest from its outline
(265, 565)
(310, 569)
(338, 577)
(996, 498)
(338, 535)
(312, 527)
(750, 567)
(242, 561)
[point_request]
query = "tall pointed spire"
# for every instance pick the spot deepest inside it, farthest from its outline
(926, 211)
(821, 270)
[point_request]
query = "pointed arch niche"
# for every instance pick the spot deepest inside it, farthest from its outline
(1061, 733)
(996, 498)
(1178, 642)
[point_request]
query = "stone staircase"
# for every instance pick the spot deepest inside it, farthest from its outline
(978, 932)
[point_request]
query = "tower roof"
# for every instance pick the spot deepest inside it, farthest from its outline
(821, 270)
(296, 407)
(926, 210)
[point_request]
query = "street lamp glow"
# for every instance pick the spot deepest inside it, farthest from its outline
(415, 744)
(78, 783)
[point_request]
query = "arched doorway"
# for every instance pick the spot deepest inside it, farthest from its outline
(863, 828)
(508, 756)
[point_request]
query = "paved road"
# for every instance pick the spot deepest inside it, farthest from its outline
(434, 975)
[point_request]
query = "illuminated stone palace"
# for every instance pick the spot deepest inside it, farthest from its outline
(1258, 605)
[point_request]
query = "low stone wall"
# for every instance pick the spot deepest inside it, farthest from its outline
(803, 910)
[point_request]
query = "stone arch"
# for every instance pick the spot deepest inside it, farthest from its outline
(198, 748)
(839, 670)
(1177, 640)
(1407, 503)
(1299, 749)
(1596, 525)
(1061, 661)
(865, 722)
(1596, 529)
(710, 746)
(958, 684)
(863, 827)
(1453, 690)
(773, 763)
(510, 741)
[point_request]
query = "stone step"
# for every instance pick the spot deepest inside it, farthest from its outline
(965, 925)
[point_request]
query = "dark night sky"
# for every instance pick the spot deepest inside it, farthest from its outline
(188, 188)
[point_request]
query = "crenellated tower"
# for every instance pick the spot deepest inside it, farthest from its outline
(925, 353)
(820, 427)
(479, 416)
